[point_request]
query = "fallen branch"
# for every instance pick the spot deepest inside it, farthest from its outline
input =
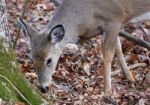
(135, 40)
(137, 65)
(116, 72)
(130, 37)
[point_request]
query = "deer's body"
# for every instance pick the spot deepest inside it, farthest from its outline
(83, 18)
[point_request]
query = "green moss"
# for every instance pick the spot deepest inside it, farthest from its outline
(7, 92)
(13, 85)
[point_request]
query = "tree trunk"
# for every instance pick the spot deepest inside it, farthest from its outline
(14, 87)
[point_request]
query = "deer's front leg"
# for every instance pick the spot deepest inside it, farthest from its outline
(111, 30)
(122, 61)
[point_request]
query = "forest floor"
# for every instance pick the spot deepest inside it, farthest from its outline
(79, 76)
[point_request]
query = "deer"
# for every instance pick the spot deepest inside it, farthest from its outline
(83, 19)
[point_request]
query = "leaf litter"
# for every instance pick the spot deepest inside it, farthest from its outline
(79, 76)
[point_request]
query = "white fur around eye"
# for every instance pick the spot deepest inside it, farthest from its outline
(49, 64)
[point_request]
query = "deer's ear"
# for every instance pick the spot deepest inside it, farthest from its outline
(27, 29)
(56, 34)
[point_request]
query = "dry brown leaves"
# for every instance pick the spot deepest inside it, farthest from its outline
(79, 76)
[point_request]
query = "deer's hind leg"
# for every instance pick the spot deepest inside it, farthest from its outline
(111, 34)
(122, 61)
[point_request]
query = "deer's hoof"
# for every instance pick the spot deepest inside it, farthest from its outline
(108, 92)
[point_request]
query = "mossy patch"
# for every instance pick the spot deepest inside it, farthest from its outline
(13, 86)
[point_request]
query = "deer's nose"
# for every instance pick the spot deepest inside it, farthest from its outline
(44, 89)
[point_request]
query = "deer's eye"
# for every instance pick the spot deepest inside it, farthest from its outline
(49, 61)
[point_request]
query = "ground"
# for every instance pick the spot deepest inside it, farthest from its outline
(79, 76)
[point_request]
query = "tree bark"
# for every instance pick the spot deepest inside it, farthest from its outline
(14, 87)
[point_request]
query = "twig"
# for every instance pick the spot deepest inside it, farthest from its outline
(137, 65)
(16, 89)
(146, 36)
(116, 72)
(19, 27)
(130, 67)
